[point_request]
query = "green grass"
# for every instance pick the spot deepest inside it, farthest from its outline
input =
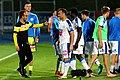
(44, 65)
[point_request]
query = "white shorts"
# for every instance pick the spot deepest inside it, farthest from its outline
(113, 47)
(104, 50)
(79, 50)
(64, 50)
(89, 47)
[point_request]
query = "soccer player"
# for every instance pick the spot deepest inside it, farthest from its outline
(50, 26)
(55, 36)
(33, 33)
(66, 39)
(87, 29)
(100, 40)
(113, 28)
(78, 43)
(20, 37)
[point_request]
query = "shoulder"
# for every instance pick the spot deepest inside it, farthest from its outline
(101, 19)
(77, 19)
(91, 20)
(18, 24)
(33, 14)
(68, 22)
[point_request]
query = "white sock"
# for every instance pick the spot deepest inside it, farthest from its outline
(66, 67)
(97, 62)
(111, 68)
(63, 68)
(73, 63)
(59, 65)
(85, 65)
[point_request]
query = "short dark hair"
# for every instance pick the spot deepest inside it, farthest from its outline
(74, 10)
(21, 13)
(63, 10)
(28, 2)
(105, 9)
(85, 12)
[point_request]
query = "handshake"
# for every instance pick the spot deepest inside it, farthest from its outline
(45, 23)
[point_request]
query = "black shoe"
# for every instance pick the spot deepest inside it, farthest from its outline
(89, 71)
(114, 71)
(20, 71)
(118, 70)
(25, 76)
(30, 73)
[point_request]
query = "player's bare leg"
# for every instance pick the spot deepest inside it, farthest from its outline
(94, 57)
(112, 66)
(105, 57)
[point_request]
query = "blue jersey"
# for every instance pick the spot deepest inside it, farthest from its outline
(55, 29)
(113, 29)
(87, 29)
(32, 32)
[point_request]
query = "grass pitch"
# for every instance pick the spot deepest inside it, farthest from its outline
(44, 65)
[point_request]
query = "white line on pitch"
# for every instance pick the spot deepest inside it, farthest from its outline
(8, 56)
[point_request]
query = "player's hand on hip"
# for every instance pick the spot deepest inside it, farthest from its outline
(75, 46)
(17, 48)
(100, 44)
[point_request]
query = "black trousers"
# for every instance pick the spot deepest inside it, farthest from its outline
(25, 55)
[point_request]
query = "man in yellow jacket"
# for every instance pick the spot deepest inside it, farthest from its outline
(20, 36)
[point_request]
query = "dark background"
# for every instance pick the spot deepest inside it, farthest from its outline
(91, 5)
(44, 8)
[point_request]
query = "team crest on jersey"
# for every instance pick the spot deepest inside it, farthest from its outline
(60, 32)
(31, 19)
(101, 50)
(64, 52)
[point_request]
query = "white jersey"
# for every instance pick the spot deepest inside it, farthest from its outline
(76, 24)
(64, 28)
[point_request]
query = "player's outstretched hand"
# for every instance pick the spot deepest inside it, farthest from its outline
(46, 23)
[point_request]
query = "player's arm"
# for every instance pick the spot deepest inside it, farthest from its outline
(50, 24)
(16, 30)
(71, 33)
(30, 25)
(100, 37)
(71, 40)
(40, 25)
(79, 33)
(101, 25)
